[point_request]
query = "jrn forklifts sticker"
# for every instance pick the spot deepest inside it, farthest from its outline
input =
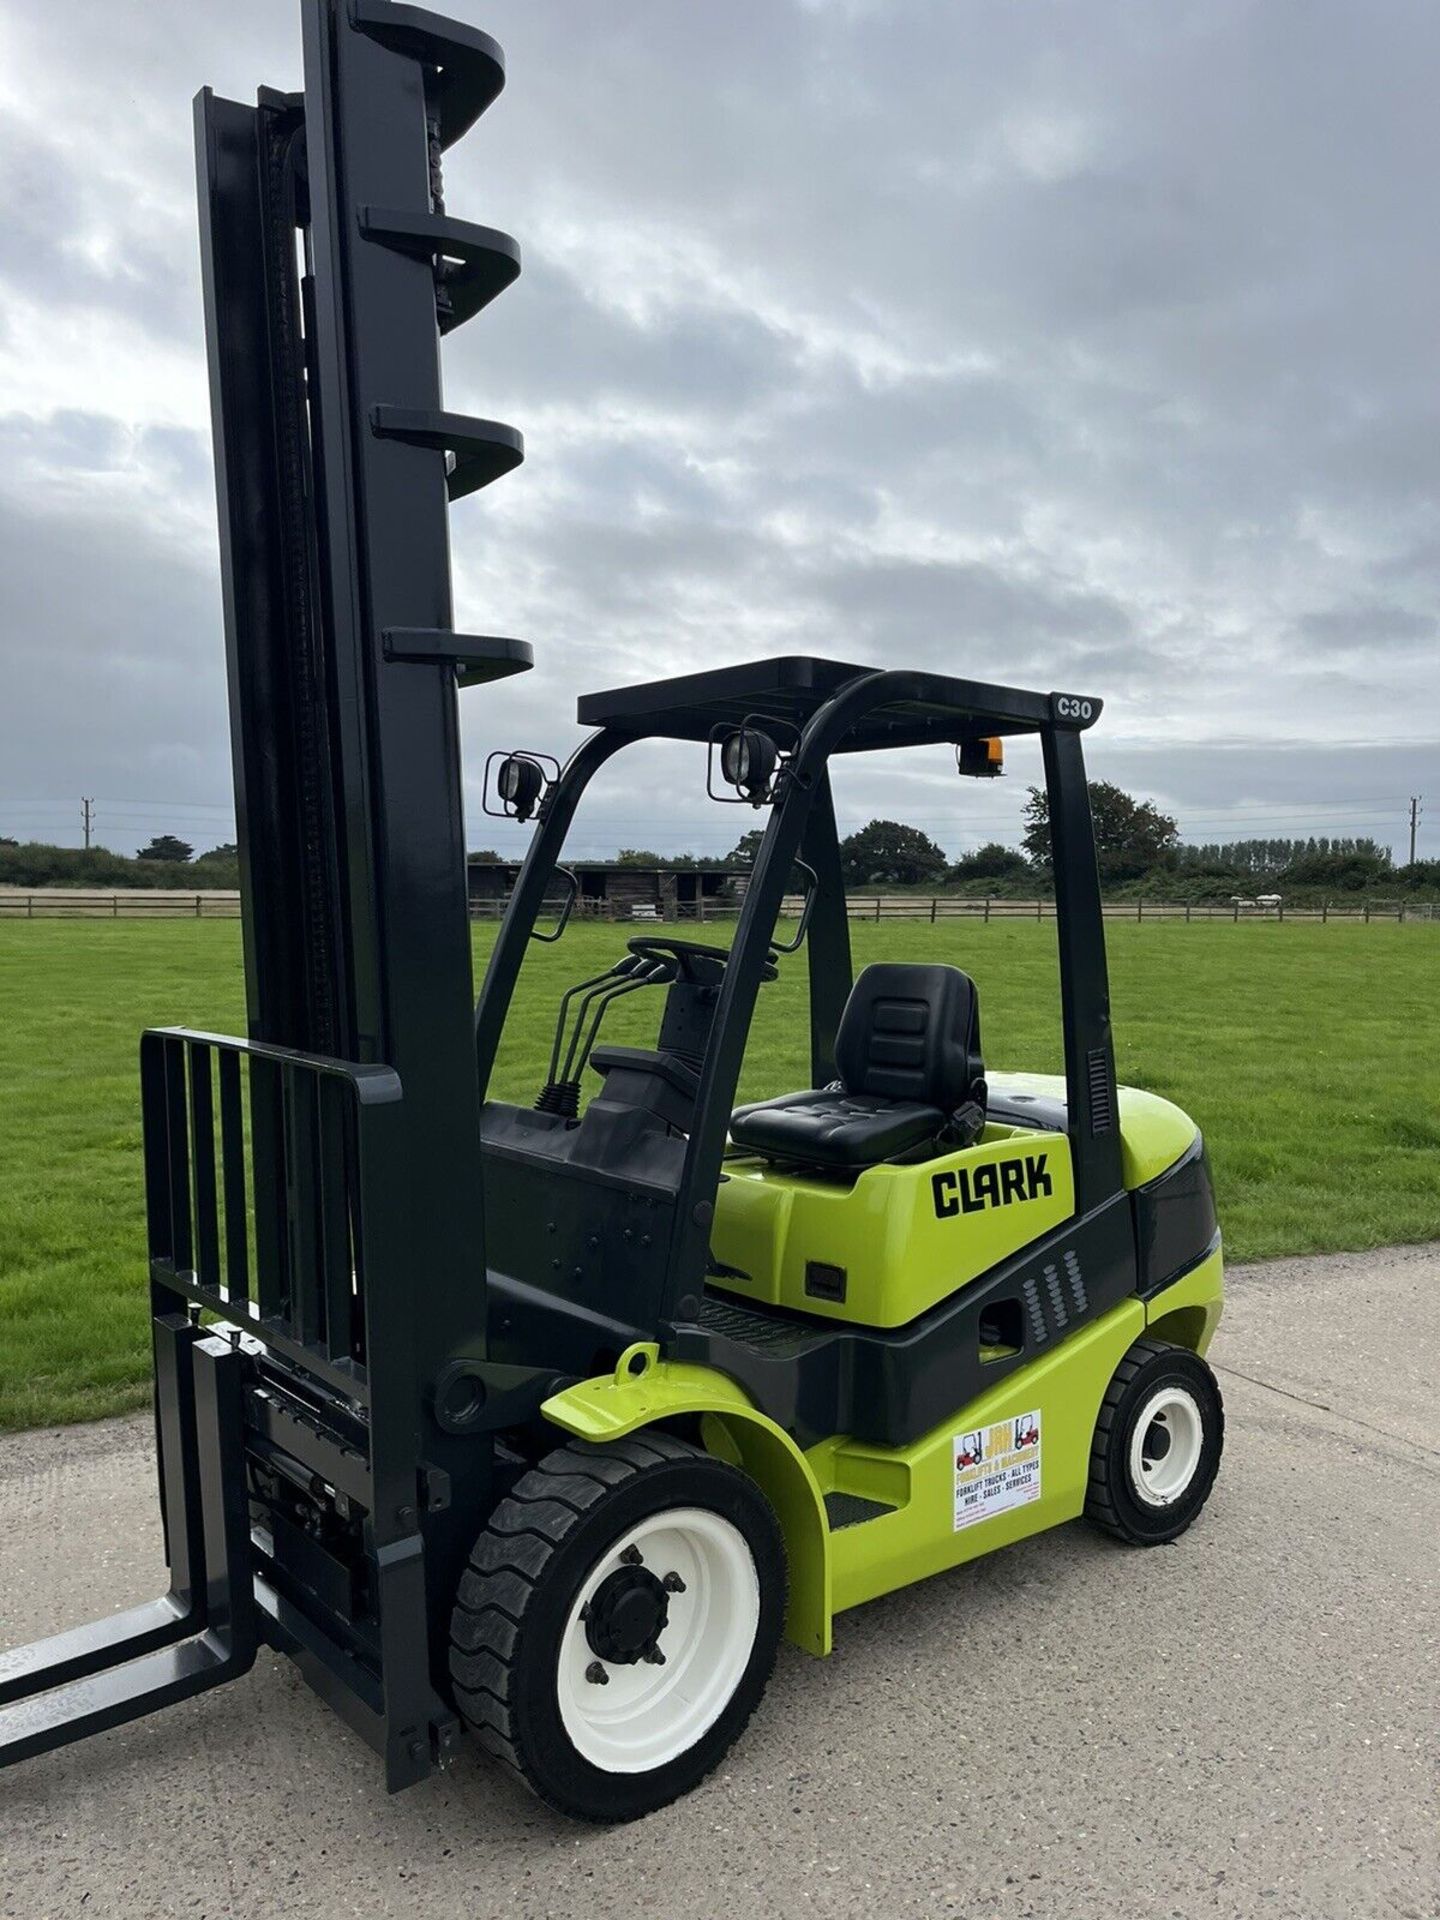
(996, 1468)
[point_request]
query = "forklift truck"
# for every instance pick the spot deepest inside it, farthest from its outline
(549, 1420)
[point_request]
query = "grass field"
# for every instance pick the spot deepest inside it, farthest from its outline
(1307, 1054)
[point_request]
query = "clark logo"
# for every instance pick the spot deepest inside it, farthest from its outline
(996, 1184)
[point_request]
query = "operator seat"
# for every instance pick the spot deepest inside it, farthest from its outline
(912, 1082)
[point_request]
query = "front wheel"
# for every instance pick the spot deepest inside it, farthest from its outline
(618, 1622)
(1157, 1444)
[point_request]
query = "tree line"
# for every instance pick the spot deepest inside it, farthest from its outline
(166, 862)
(1138, 849)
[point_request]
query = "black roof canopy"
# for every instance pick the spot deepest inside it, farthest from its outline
(917, 708)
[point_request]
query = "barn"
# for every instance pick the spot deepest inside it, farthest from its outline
(609, 891)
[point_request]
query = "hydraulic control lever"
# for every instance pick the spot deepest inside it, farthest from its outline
(561, 1092)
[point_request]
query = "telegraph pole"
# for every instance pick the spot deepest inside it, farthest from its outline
(87, 814)
(1415, 800)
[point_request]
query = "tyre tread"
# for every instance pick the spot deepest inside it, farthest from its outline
(503, 1576)
(1100, 1507)
(508, 1565)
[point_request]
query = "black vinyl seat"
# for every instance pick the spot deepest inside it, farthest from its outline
(911, 1077)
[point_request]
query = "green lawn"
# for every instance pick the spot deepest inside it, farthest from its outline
(1307, 1053)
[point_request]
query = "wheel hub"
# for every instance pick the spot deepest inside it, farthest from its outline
(627, 1615)
(1166, 1446)
(649, 1660)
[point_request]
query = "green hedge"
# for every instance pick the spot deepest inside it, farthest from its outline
(36, 865)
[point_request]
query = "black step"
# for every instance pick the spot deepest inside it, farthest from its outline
(470, 63)
(769, 1332)
(475, 263)
(478, 657)
(480, 450)
(852, 1510)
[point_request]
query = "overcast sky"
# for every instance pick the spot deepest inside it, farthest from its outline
(1088, 346)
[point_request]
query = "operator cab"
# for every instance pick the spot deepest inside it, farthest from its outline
(876, 1192)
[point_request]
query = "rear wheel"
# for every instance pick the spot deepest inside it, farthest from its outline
(618, 1622)
(1157, 1444)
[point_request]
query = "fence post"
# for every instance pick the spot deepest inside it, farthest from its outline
(1402, 913)
(29, 906)
(1280, 911)
(877, 909)
(1139, 910)
(1367, 913)
(1237, 913)
(1187, 913)
(987, 909)
(1324, 913)
(932, 909)
(1039, 909)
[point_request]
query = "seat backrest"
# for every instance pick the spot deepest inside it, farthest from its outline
(912, 1033)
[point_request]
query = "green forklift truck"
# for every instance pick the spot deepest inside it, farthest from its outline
(547, 1420)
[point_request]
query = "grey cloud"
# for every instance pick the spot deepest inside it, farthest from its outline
(50, 205)
(937, 605)
(118, 633)
(552, 340)
(1367, 624)
(1093, 346)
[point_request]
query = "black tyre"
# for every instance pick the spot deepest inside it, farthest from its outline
(1157, 1444)
(618, 1622)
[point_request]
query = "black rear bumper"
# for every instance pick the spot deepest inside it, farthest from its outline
(1175, 1221)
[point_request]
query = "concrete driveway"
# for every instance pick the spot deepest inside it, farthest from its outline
(1241, 1724)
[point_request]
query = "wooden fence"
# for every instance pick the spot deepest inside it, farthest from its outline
(935, 907)
(164, 903)
(128, 903)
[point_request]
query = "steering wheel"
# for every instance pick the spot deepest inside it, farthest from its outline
(692, 956)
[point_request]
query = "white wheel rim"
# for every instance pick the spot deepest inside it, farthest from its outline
(645, 1714)
(1165, 1446)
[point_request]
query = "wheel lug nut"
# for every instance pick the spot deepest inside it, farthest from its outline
(672, 1583)
(633, 1557)
(654, 1656)
(596, 1674)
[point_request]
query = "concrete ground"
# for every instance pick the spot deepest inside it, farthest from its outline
(1243, 1723)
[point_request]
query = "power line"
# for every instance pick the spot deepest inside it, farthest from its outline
(149, 806)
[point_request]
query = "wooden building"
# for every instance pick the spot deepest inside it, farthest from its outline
(612, 892)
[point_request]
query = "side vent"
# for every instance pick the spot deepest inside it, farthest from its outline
(1054, 1299)
(1034, 1311)
(1059, 1312)
(1100, 1091)
(1080, 1299)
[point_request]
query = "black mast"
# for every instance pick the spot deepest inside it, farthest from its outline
(331, 269)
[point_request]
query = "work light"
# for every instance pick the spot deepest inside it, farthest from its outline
(519, 782)
(748, 759)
